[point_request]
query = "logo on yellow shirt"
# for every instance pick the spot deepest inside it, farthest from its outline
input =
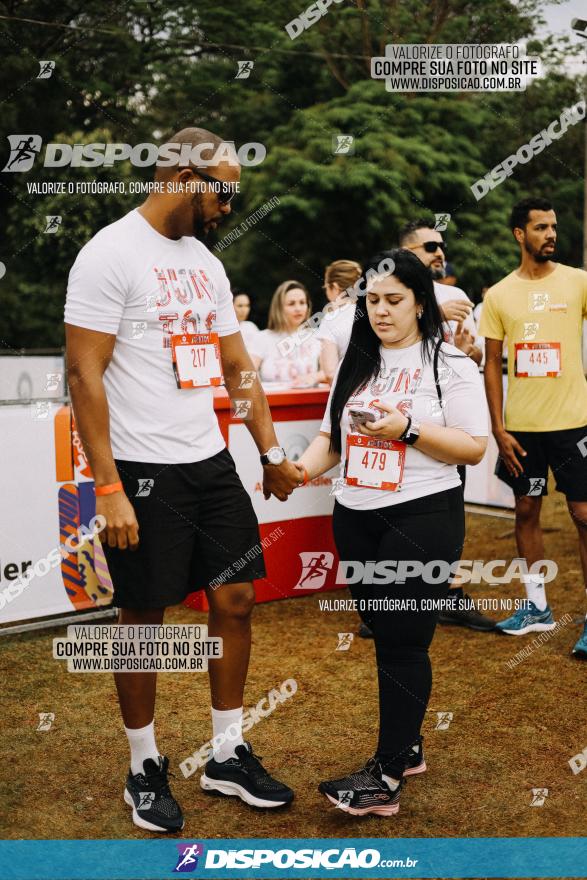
(537, 302)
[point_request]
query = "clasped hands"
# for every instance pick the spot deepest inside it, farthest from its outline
(281, 479)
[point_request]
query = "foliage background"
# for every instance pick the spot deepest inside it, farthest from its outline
(139, 70)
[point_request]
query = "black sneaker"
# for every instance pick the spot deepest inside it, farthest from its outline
(469, 616)
(365, 632)
(153, 805)
(363, 792)
(246, 778)
(415, 762)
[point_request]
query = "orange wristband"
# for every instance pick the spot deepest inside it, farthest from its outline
(306, 477)
(110, 489)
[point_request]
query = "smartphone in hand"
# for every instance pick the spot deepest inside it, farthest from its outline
(361, 416)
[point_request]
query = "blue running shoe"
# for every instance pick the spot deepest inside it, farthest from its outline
(580, 649)
(527, 619)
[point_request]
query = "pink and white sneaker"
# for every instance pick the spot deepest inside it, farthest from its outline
(364, 792)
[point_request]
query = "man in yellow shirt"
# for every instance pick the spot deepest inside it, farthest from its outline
(539, 308)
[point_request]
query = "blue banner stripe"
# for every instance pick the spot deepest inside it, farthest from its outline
(348, 857)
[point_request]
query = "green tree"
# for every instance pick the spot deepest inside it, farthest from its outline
(137, 71)
(33, 289)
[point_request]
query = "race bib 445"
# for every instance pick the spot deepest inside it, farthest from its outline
(538, 359)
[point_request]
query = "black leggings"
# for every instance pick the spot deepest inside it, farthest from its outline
(426, 529)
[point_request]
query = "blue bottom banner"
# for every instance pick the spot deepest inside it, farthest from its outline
(529, 857)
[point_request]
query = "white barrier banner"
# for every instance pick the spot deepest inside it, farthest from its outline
(46, 566)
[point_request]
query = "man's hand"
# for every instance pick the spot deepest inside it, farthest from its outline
(122, 528)
(456, 309)
(464, 339)
(508, 447)
(281, 479)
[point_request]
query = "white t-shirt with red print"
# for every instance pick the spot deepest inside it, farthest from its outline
(408, 384)
(130, 281)
(298, 362)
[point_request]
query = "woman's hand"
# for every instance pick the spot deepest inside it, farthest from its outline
(389, 427)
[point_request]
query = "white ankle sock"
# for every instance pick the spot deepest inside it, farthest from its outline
(142, 746)
(390, 781)
(227, 730)
(535, 591)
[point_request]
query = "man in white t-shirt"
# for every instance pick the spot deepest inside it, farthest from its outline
(151, 329)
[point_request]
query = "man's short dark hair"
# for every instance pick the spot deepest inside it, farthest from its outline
(521, 211)
(407, 231)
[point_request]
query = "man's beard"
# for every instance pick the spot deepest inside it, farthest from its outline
(438, 273)
(199, 224)
(537, 254)
(200, 231)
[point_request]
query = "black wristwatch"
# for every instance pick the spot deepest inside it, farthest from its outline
(411, 432)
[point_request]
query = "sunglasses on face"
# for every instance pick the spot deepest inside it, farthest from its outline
(223, 189)
(432, 246)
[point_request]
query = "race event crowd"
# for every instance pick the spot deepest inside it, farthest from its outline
(416, 370)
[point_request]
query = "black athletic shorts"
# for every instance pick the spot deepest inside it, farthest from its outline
(197, 528)
(564, 452)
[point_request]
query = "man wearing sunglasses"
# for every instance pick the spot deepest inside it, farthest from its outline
(427, 243)
(225, 190)
(151, 329)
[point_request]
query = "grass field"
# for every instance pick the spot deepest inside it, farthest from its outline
(512, 729)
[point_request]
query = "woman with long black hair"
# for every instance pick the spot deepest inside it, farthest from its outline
(401, 500)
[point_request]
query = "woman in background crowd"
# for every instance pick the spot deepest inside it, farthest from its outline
(242, 307)
(335, 329)
(287, 352)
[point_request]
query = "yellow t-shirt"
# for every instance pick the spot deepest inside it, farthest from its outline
(548, 310)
